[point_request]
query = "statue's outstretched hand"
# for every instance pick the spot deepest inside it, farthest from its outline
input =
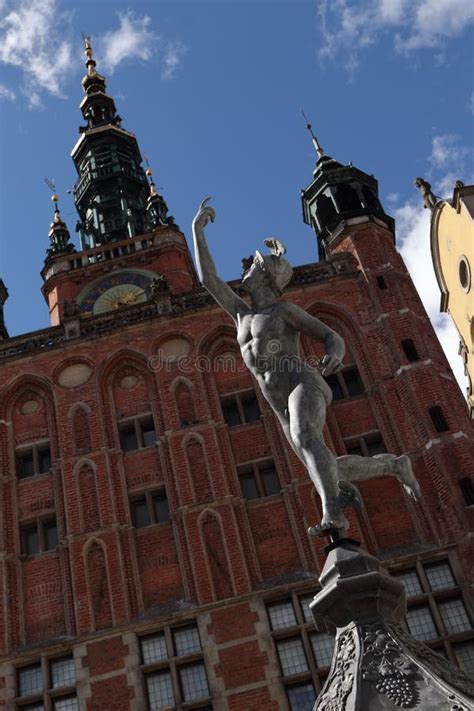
(205, 214)
(330, 364)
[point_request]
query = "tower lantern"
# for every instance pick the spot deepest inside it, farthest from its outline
(337, 196)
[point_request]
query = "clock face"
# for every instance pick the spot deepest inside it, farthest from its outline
(116, 291)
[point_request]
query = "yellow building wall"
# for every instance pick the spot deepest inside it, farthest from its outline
(453, 239)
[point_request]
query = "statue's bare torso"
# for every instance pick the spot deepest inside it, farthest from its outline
(269, 345)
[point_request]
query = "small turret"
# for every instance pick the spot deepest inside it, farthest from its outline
(157, 209)
(338, 193)
(59, 233)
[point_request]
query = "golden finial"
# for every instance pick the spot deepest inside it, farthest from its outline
(88, 50)
(149, 174)
(55, 198)
(90, 63)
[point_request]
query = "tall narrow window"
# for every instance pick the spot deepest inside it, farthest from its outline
(467, 490)
(381, 283)
(410, 350)
(438, 419)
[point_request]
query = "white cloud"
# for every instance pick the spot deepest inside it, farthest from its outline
(32, 40)
(447, 149)
(347, 27)
(448, 162)
(35, 39)
(172, 59)
(134, 39)
(413, 236)
(434, 20)
(471, 103)
(6, 94)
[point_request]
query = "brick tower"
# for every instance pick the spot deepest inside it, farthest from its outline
(154, 552)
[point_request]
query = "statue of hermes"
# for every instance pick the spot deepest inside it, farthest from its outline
(268, 332)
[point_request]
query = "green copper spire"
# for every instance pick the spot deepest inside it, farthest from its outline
(112, 190)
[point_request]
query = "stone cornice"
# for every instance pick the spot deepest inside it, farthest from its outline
(80, 328)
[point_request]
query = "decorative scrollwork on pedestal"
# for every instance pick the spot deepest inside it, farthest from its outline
(385, 665)
(436, 664)
(341, 679)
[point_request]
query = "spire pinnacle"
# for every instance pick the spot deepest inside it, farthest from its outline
(58, 231)
(151, 182)
(156, 204)
(317, 147)
(93, 82)
(90, 61)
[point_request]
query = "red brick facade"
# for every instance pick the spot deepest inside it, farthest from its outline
(219, 558)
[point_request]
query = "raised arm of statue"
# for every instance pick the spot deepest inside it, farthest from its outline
(206, 267)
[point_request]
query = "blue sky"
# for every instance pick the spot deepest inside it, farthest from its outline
(213, 92)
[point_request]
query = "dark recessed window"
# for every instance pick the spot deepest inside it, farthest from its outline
(30, 540)
(438, 419)
(367, 445)
(149, 508)
(240, 408)
(128, 438)
(137, 433)
(33, 460)
(50, 532)
(381, 283)
(258, 479)
(39, 537)
(410, 351)
(467, 489)
(347, 383)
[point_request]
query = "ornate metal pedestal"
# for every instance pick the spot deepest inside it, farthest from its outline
(377, 666)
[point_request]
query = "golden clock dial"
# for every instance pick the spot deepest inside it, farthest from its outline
(118, 297)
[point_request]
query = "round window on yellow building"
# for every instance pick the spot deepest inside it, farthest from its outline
(464, 273)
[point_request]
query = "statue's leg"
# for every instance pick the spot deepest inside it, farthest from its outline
(306, 417)
(352, 467)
